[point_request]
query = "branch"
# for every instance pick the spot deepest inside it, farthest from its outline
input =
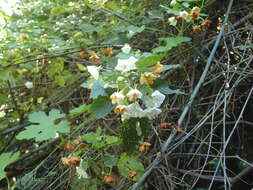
(60, 54)
(15, 128)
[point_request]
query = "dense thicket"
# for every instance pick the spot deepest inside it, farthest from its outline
(134, 94)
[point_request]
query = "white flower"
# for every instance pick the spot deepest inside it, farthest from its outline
(135, 111)
(172, 21)
(132, 110)
(184, 15)
(29, 84)
(125, 65)
(2, 114)
(126, 49)
(156, 100)
(173, 3)
(117, 98)
(152, 112)
(93, 70)
(133, 95)
(56, 135)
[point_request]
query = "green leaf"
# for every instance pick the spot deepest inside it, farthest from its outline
(97, 90)
(128, 163)
(170, 43)
(5, 74)
(89, 27)
(3, 97)
(6, 159)
(101, 106)
(112, 140)
(57, 66)
(59, 79)
(134, 30)
(110, 160)
(89, 137)
(145, 88)
(122, 55)
(148, 61)
(81, 67)
(79, 110)
(46, 129)
(99, 144)
(77, 36)
(163, 87)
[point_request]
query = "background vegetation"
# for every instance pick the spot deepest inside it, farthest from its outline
(62, 128)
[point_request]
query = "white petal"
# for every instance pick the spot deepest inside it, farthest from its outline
(29, 84)
(134, 94)
(126, 49)
(93, 70)
(158, 98)
(133, 110)
(151, 113)
(125, 65)
(173, 21)
(2, 114)
(173, 2)
(184, 14)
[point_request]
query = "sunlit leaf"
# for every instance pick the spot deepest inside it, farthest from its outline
(170, 43)
(46, 128)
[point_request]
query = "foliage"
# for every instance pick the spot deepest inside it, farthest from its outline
(101, 106)
(46, 128)
(95, 61)
(128, 163)
(6, 159)
(170, 43)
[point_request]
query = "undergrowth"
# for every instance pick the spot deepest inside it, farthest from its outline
(126, 95)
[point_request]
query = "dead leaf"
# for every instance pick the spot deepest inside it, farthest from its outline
(69, 147)
(109, 179)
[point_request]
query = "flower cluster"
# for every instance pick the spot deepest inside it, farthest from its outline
(125, 90)
(202, 26)
(188, 16)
